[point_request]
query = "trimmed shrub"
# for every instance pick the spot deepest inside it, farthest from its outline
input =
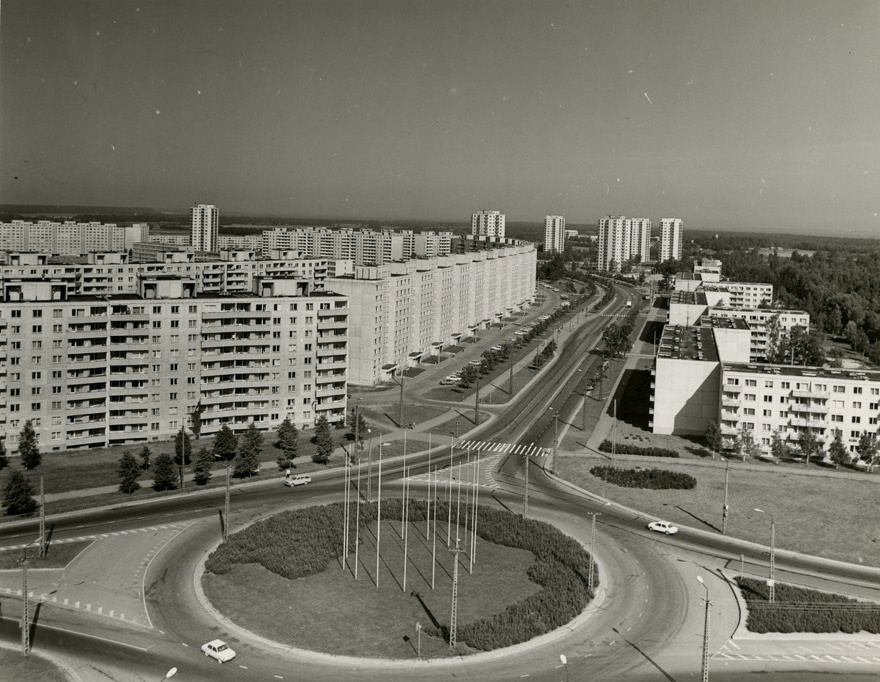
(629, 449)
(799, 609)
(652, 479)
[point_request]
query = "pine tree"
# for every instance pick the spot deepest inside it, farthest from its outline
(4, 461)
(225, 444)
(129, 472)
(195, 420)
(713, 437)
(837, 450)
(27, 447)
(323, 441)
(202, 469)
(182, 448)
(288, 442)
(164, 475)
(18, 495)
(145, 457)
(249, 445)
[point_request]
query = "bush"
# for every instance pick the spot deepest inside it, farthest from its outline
(652, 479)
(798, 609)
(629, 449)
(303, 542)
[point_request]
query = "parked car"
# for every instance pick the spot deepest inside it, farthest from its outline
(293, 481)
(497, 349)
(663, 527)
(475, 363)
(218, 650)
(451, 379)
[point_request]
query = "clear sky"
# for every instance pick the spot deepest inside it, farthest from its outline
(731, 114)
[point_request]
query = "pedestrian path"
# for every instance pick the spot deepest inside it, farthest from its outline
(477, 469)
(505, 448)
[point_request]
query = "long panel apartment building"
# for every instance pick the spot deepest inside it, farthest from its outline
(94, 371)
(405, 312)
(70, 238)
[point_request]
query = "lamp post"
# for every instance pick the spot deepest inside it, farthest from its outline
(726, 508)
(379, 515)
(771, 583)
(25, 611)
(705, 667)
(590, 579)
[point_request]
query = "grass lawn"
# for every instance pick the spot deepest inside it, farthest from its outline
(825, 516)
(332, 612)
(57, 555)
(32, 668)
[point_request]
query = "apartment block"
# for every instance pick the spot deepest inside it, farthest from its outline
(205, 224)
(622, 239)
(363, 247)
(105, 274)
(402, 313)
(708, 270)
(70, 238)
(671, 239)
(554, 234)
(488, 224)
(94, 371)
(738, 294)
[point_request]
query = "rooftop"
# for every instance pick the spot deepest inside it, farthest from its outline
(688, 298)
(687, 343)
(723, 322)
(805, 371)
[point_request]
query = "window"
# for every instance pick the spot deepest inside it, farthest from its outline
(857, 390)
(768, 384)
(56, 405)
(768, 398)
(749, 411)
(767, 413)
(36, 375)
(837, 417)
(56, 328)
(37, 313)
(36, 390)
(856, 420)
(36, 407)
(855, 434)
(857, 405)
(751, 382)
(840, 389)
(749, 396)
(786, 385)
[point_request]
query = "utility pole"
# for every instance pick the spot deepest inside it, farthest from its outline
(25, 614)
(590, 580)
(345, 481)
(226, 506)
(510, 377)
(42, 520)
(400, 406)
(454, 615)
(584, 408)
(379, 516)
(526, 496)
(405, 516)
(725, 508)
(614, 431)
(705, 666)
(555, 437)
(474, 520)
(357, 523)
(477, 402)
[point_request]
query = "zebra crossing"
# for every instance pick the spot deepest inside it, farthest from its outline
(83, 538)
(505, 448)
(467, 471)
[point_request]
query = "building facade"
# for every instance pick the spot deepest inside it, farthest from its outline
(405, 312)
(554, 234)
(204, 225)
(70, 238)
(622, 239)
(488, 224)
(95, 371)
(671, 239)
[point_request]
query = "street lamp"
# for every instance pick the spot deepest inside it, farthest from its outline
(705, 632)
(771, 583)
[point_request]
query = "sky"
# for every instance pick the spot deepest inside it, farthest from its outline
(756, 115)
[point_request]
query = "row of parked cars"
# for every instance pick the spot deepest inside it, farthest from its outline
(455, 377)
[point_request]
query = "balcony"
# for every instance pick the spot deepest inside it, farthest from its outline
(326, 324)
(237, 314)
(86, 437)
(330, 352)
(728, 430)
(810, 394)
(809, 409)
(730, 388)
(809, 423)
(94, 408)
(330, 392)
(86, 378)
(730, 402)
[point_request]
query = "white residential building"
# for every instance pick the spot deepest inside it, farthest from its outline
(554, 234)
(671, 239)
(487, 224)
(70, 238)
(205, 222)
(95, 371)
(622, 239)
(404, 312)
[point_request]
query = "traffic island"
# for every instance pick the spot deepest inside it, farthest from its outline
(285, 578)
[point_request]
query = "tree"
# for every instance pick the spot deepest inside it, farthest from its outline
(145, 457)
(164, 475)
(27, 447)
(18, 495)
(247, 463)
(195, 420)
(867, 447)
(288, 443)
(4, 462)
(358, 424)
(778, 447)
(837, 450)
(713, 437)
(225, 444)
(745, 443)
(202, 469)
(182, 448)
(323, 440)
(129, 472)
(808, 444)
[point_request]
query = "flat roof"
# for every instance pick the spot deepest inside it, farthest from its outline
(688, 298)
(679, 342)
(723, 322)
(805, 371)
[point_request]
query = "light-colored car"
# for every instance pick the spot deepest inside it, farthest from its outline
(293, 481)
(450, 380)
(218, 650)
(663, 527)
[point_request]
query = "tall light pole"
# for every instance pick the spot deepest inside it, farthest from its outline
(771, 583)
(705, 632)
(226, 506)
(726, 508)
(453, 618)
(26, 607)
(379, 516)
(526, 493)
(590, 579)
(42, 520)
(357, 523)
(400, 406)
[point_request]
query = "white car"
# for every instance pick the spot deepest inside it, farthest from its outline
(450, 380)
(663, 527)
(218, 650)
(293, 481)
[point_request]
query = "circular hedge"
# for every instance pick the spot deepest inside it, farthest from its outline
(303, 542)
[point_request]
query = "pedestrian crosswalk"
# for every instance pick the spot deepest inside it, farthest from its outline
(505, 448)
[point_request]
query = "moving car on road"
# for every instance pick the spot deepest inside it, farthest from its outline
(293, 481)
(218, 650)
(663, 527)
